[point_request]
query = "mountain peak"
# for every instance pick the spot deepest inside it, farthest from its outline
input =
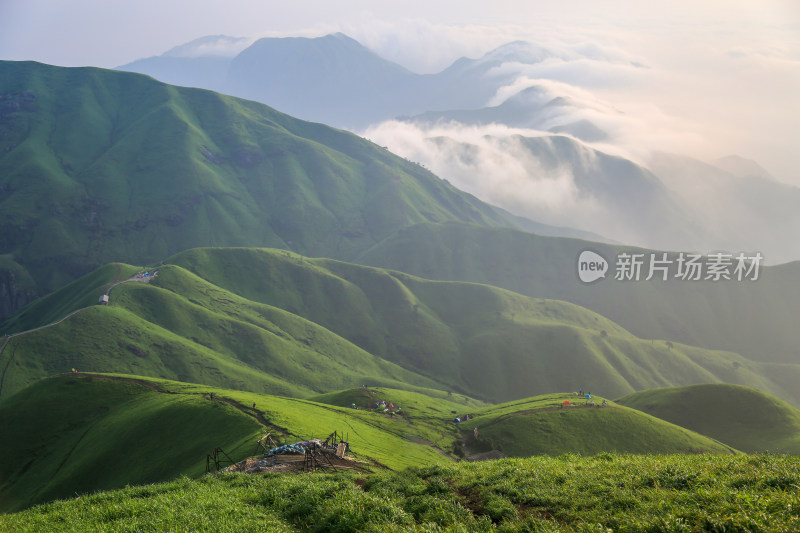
(342, 37)
(519, 52)
(332, 79)
(337, 39)
(209, 46)
(741, 167)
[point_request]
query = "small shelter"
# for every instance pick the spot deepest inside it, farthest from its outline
(103, 300)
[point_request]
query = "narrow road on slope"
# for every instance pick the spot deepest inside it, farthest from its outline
(139, 277)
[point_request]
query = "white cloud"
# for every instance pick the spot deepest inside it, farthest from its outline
(211, 46)
(723, 73)
(491, 163)
(426, 47)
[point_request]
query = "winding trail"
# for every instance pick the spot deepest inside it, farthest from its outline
(255, 413)
(138, 278)
(421, 440)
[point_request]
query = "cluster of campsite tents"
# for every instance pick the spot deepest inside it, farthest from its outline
(382, 406)
(588, 401)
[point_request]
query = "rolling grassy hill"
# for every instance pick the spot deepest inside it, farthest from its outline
(81, 293)
(80, 433)
(431, 403)
(745, 418)
(220, 339)
(754, 318)
(540, 425)
(484, 341)
(99, 165)
(274, 322)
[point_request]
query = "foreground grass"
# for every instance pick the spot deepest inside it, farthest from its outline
(567, 493)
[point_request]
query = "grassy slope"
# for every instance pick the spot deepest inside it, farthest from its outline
(744, 418)
(755, 319)
(99, 165)
(539, 425)
(263, 337)
(275, 322)
(391, 442)
(433, 403)
(82, 292)
(87, 431)
(567, 493)
(111, 339)
(196, 332)
(478, 339)
(427, 413)
(79, 434)
(90, 432)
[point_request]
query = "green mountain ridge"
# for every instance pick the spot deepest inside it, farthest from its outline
(754, 318)
(222, 340)
(274, 322)
(492, 340)
(99, 165)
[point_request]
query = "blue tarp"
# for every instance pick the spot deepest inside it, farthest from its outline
(297, 447)
(286, 448)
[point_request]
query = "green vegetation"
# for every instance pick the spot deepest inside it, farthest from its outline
(81, 293)
(745, 418)
(430, 402)
(303, 326)
(755, 319)
(197, 332)
(476, 339)
(84, 432)
(79, 434)
(543, 425)
(386, 441)
(567, 493)
(111, 339)
(99, 165)
(227, 343)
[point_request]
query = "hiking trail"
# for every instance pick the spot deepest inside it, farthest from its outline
(143, 276)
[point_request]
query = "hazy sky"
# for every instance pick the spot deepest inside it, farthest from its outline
(111, 32)
(722, 76)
